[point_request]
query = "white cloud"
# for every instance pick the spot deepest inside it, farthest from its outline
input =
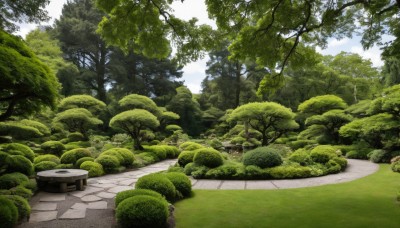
(335, 43)
(192, 8)
(373, 54)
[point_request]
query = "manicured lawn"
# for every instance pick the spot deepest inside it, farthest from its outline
(367, 202)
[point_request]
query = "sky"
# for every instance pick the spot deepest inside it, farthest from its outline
(194, 72)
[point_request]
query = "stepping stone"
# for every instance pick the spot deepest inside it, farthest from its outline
(90, 198)
(98, 205)
(44, 206)
(105, 181)
(128, 182)
(48, 197)
(92, 181)
(119, 189)
(79, 206)
(43, 216)
(74, 214)
(106, 195)
(89, 190)
(103, 185)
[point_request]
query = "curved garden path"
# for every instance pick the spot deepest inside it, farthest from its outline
(94, 207)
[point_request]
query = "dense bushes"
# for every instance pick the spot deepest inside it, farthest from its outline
(301, 156)
(70, 157)
(18, 149)
(185, 157)
(110, 164)
(45, 165)
(262, 157)
(8, 212)
(208, 157)
(158, 183)
(189, 146)
(23, 207)
(18, 163)
(53, 147)
(124, 156)
(95, 169)
(322, 154)
(82, 160)
(121, 196)
(182, 184)
(11, 180)
(47, 157)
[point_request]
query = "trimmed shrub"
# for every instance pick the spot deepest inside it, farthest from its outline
(82, 160)
(158, 183)
(262, 157)
(30, 184)
(147, 158)
(285, 172)
(186, 157)
(333, 167)
(379, 156)
(121, 196)
(301, 144)
(64, 166)
(53, 147)
(3, 158)
(223, 172)
(76, 145)
(110, 164)
(172, 151)
(18, 149)
(357, 154)
(75, 137)
(11, 180)
(124, 155)
(142, 212)
(208, 157)
(19, 163)
(47, 157)
(189, 146)
(395, 166)
(95, 169)
(255, 172)
(283, 150)
(8, 212)
(23, 207)
(45, 165)
(341, 161)
(322, 154)
(157, 150)
(301, 156)
(182, 183)
(22, 191)
(70, 157)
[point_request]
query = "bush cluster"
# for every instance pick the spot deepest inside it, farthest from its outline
(71, 156)
(182, 184)
(322, 154)
(53, 147)
(208, 157)
(189, 146)
(158, 183)
(185, 157)
(125, 156)
(8, 212)
(18, 149)
(47, 157)
(262, 157)
(19, 163)
(11, 180)
(121, 196)
(110, 163)
(301, 156)
(45, 165)
(95, 169)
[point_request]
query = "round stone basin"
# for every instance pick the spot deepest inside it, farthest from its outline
(62, 175)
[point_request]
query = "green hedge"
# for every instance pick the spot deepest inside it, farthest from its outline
(22, 205)
(19, 163)
(121, 196)
(53, 147)
(182, 184)
(208, 157)
(45, 165)
(110, 164)
(47, 157)
(186, 157)
(301, 156)
(11, 180)
(262, 157)
(71, 156)
(18, 149)
(125, 156)
(323, 153)
(189, 146)
(82, 160)
(158, 183)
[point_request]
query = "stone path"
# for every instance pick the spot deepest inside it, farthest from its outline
(96, 203)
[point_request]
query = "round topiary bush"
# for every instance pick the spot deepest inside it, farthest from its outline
(22, 191)
(70, 157)
(8, 212)
(395, 166)
(185, 157)
(121, 196)
(11, 180)
(323, 153)
(45, 165)
(172, 151)
(142, 211)
(341, 161)
(53, 147)
(124, 155)
(75, 137)
(23, 207)
(19, 163)
(47, 157)
(18, 149)
(181, 182)
(157, 150)
(208, 157)
(82, 160)
(95, 169)
(110, 164)
(189, 146)
(301, 156)
(158, 183)
(65, 166)
(262, 157)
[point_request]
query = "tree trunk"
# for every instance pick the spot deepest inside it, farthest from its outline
(237, 84)
(101, 75)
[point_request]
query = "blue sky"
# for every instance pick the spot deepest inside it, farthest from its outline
(194, 72)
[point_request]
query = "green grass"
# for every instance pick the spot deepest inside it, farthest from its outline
(366, 202)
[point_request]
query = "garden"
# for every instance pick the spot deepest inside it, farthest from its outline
(102, 92)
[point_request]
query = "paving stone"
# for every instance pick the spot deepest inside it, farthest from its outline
(227, 185)
(52, 197)
(79, 206)
(260, 185)
(90, 198)
(74, 214)
(128, 182)
(106, 195)
(92, 181)
(44, 206)
(207, 184)
(106, 181)
(42, 216)
(119, 189)
(99, 185)
(98, 205)
(89, 190)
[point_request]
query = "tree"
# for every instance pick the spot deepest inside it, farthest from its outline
(20, 11)
(133, 122)
(77, 120)
(321, 104)
(391, 71)
(269, 118)
(82, 101)
(26, 84)
(136, 101)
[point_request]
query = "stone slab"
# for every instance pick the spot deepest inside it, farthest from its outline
(90, 198)
(52, 197)
(99, 185)
(42, 216)
(119, 189)
(106, 181)
(106, 195)
(260, 185)
(233, 185)
(74, 214)
(98, 205)
(44, 206)
(128, 182)
(89, 190)
(79, 206)
(207, 184)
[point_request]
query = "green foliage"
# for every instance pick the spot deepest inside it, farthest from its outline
(53, 147)
(341, 161)
(27, 84)
(44, 165)
(126, 155)
(71, 156)
(226, 172)
(136, 101)
(88, 102)
(322, 154)
(8, 212)
(11, 180)
(157, 150)
(22, 191)
(18, 130)
(43, 129)
(289, 172)
(378, 156)
(190, 146)
(121, 196)
(301, 156)
(76, 145)
(77, 119)
(110, 163)
(396, 166)
(186, 157)
(333, 167)
(65, 166)
(142, 211)
(79, 162)
(18, 149)
(208, 157)
(158, 183)
(262, 157)
(23, 207)
(301, 144)
(322, 104)
(47, 157)
(75, 137)
(147, 158)
(18, 163)
(182, 183)
(95, 169)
